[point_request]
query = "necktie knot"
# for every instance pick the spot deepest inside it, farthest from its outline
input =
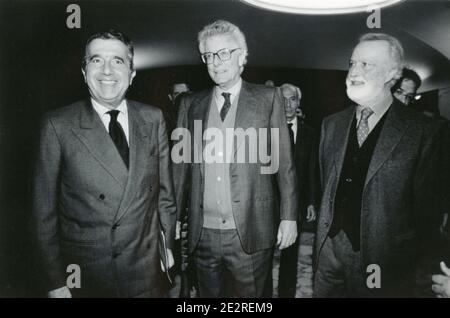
(226, 96)
(366, 113)
(113, 114)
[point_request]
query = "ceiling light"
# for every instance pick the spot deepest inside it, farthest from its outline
(320, 6)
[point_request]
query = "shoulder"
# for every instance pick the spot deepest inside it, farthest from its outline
(66, 111)
(259, 89)
(339, 116)
(146, 111)
(419, 122)
(65, 115)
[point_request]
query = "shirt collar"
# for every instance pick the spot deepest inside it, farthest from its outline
(234, 91)
(122, 108)
(378, 108)
(293, 121)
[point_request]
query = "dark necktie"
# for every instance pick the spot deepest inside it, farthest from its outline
(118, 136)
(226, 106)
(291, 133)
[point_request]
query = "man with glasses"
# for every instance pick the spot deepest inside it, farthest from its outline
(234, 208)
(405, 89)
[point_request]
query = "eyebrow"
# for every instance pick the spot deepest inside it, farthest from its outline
(114, 57)
(119, 58)
(93, 56)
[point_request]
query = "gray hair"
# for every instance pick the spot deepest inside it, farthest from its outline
(395, 49)
(222, 27)
(111, 34)
(293, 87)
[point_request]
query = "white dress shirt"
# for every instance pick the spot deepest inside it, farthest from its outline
(379, 109)
(294, 123)
(122, 118)
(234, 91)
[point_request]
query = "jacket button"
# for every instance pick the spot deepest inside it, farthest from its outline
(201, 206)
(151, 188)
(101, 197)
(348, 180)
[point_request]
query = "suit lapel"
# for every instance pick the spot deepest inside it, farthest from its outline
(139, 133)
(200, 111)
(247, 110)
(94, 136)
(341, 140)
(390, 135)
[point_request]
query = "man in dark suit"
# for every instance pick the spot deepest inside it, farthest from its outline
(103, 195)
(304, 141)
(234, 204)
(377, 164)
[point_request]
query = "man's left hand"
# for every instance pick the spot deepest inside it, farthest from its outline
(441, 283)
(287, 234)
(311, 213)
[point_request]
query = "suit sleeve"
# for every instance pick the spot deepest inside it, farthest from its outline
(166, 201)
(46, 180)
(181, 169)
(286, 176)
(427, 185)
(314, 174)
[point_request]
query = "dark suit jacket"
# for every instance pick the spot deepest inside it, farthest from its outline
(307, 166)
(258, 200)
(399, 197)
(88, 209)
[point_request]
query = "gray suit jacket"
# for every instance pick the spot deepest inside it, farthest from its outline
(259, 201)
(88, 209)
(399, 197)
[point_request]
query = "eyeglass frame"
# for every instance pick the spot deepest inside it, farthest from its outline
(217, 54)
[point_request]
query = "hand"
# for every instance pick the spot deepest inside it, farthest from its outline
(170, 260)
(63, 292)
(287, 234)
(311, 213)
(178, 230)
(441, 283)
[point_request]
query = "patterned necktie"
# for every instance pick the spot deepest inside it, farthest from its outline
(291, 133)
(118, 136)
(226, 106)
(363, 127)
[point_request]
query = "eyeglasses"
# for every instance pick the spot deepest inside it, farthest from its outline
(409, 97)
(223, 55)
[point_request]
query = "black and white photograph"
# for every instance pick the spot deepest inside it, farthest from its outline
(225, 149)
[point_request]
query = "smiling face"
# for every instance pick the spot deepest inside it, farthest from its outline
(108, 72)
(371, 72)
(224, 73)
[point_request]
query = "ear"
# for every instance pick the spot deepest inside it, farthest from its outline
(392, 75)
(133, 74)
(242, 58)
(84, 75)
